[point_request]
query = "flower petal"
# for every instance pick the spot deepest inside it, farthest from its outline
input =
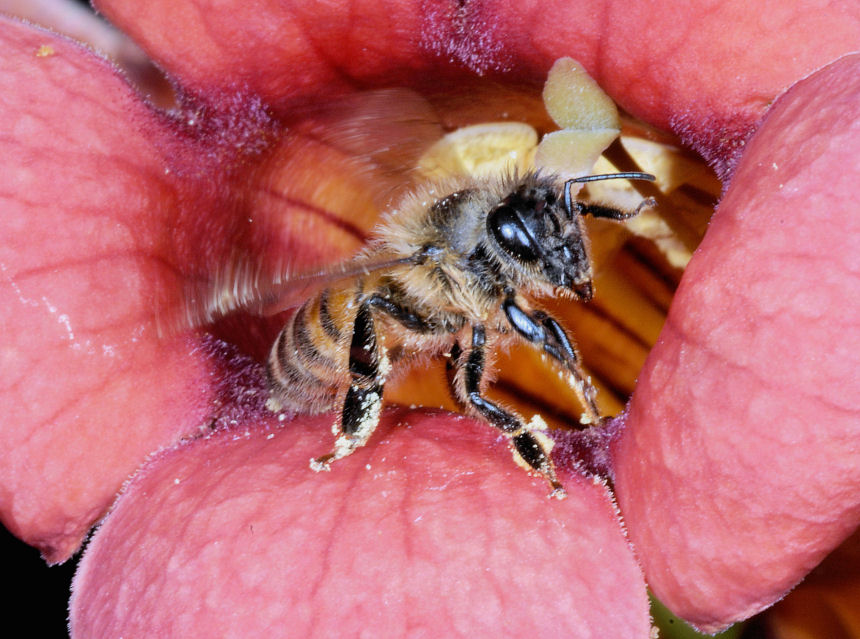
(86, 389)
(110, 209)
(79, 22)
(429, 530)
(705, 69)
(739, 467)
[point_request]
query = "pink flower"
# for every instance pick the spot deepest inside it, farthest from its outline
(736, 470)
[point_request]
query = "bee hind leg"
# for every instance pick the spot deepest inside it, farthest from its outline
(363, 403)
(531, 448)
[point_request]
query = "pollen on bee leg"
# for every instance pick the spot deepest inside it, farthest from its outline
(320, 464)
(582, 388)
(273, 405)
(384, 365)
(345, 445)
(537, 428)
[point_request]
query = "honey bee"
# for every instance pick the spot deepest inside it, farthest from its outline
(452, 271)
(452, 275)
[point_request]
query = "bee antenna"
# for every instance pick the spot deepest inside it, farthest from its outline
(629, 175)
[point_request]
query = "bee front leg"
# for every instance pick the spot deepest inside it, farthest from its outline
(530, 447)
(545, 332)
(362, 406)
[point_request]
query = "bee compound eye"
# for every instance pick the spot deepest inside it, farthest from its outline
(510, 232)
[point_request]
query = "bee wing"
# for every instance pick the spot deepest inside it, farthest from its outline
(292, 290)
(245, 286)
(386, 131)
(379, 135)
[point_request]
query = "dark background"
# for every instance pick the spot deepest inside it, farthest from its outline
(37, 596)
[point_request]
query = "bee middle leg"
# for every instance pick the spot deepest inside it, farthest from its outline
(526, 443)
(363, 402)
(543, 331)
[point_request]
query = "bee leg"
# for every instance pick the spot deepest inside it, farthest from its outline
(532, 449)
(545, 332)
(405, 316)
(363, 403)
(453, 359)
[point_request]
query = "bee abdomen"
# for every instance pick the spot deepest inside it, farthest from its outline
(305, 368)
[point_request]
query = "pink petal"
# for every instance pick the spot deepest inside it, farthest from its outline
(108, 209)
(739, 469)
(86, 388)
(430, 530)
(79, 22)
(705, 69)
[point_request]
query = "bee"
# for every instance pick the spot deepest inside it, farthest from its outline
(447, 274)
(452, 271)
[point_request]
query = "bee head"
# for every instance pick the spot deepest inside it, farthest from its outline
(538, 235)
(544, 238)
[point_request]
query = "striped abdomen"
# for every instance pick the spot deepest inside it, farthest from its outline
(307, 367)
